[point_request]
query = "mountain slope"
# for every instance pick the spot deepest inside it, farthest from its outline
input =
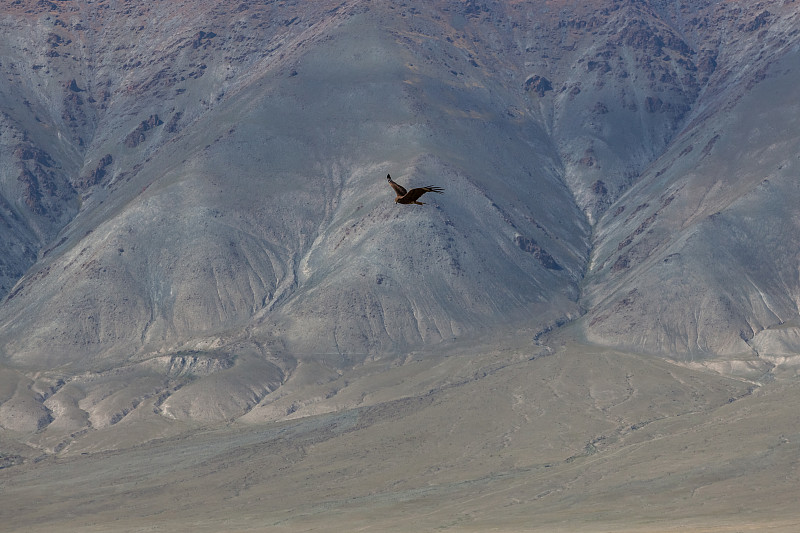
(193, 193)
(276, 194)
(699, 257)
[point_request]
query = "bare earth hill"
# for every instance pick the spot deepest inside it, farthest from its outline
(201, 264)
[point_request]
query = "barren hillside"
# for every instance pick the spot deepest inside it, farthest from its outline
(196, 227)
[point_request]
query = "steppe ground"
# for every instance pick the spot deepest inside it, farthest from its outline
(511, 436)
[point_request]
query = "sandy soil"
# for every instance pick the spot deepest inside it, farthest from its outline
(506, 439)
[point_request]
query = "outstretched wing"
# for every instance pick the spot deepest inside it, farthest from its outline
(399, 189)
(414, 194)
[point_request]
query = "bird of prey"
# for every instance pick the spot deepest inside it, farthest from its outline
(410, 197)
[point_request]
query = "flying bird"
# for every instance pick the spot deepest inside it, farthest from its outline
(410, 197)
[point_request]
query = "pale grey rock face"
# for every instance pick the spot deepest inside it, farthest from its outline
(264, 205)
(209, 179)
(699, 258)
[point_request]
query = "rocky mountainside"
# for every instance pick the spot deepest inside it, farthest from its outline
(194, 208)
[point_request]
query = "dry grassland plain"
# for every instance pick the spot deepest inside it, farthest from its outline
(568, 437)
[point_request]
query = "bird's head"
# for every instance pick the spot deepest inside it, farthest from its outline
(388, 177)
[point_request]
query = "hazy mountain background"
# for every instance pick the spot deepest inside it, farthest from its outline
(195, 225)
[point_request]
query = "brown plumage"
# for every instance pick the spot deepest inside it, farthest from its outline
(410, 197)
